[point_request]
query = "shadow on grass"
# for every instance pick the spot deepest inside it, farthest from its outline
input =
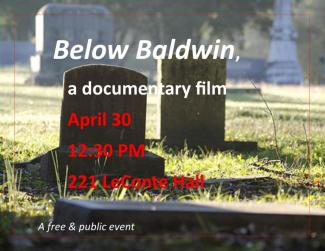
(289, 158)
(206, 236)
(33, 185)
(6, 228)
(11, 224)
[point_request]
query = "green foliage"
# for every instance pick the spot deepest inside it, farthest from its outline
(180, 19)
(161, 20)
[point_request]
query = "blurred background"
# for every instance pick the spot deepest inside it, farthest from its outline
(160, 20)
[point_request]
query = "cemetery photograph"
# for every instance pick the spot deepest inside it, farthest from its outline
(162, 125)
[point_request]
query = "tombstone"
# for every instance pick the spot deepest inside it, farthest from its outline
(198, 120)
(282, 65)
(322, 60)
(23, 51)
(246, 69)
(174, 216)
(148, 165)
(74, 23)
(5, 33)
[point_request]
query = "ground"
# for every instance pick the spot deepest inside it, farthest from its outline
(294, 179)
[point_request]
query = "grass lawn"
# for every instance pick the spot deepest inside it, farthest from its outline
(37, 114)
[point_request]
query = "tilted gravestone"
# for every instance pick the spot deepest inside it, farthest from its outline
(74, 23)
(198, 120)
(87, 105)
(174, 215)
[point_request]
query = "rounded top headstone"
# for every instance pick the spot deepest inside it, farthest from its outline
(56, 8)
(103, 73)
(84, 104)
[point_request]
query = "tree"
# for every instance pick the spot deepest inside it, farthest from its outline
(178, 18)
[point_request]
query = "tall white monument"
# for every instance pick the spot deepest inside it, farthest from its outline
(282, 65)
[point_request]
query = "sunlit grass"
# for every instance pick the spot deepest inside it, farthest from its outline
(37, 114)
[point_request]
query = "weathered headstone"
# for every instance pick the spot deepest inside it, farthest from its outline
(74, 23)
(87, 105)
(246, 69)
(23, 51)
(198, 120)
(283, 66)
(172, 215)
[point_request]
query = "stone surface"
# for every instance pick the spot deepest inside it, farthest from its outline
(74, 23)
(198, 120)
(246, 69)
(282, 64)
(23, 51)
(148, 165)
(92, 104)
(172, 215)
(142, 166)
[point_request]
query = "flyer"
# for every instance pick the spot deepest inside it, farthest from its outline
(162, 125)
